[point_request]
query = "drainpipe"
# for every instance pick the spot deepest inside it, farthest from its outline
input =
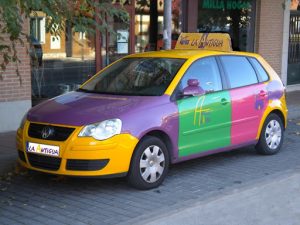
(167, 35)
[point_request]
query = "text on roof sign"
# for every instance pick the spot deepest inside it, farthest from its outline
(207, 41)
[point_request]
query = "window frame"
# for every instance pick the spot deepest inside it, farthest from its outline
(40, 31)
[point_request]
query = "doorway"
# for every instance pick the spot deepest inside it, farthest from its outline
(293, 75)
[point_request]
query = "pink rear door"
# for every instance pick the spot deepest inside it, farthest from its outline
(248, 104)
(248, 98)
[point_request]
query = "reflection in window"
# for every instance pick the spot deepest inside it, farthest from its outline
(261, 71)
(136, 76)
(230, 16)
(149, 24)
(239, 71)
(207, 72)
(59, 63)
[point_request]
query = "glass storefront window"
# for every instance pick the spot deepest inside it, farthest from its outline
(149, 24)
(235, 17)
(115, 44)
(142, 23)
(59, 64)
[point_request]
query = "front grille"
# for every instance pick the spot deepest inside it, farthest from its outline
(21, 155)
(43, 162)
(57, 133)
(86, 165)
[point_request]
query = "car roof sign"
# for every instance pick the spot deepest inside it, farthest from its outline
(204, 41)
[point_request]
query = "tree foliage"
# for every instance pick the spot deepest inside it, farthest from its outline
(85, 16)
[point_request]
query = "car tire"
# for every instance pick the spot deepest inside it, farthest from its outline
(149, 164)
(271, 136)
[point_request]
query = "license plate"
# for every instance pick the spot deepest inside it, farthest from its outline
(43, 149)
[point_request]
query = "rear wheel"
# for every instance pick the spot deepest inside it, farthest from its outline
(271, 136)
(149, 164)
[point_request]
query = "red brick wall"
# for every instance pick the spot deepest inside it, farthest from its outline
(269, 31)
(12, 86)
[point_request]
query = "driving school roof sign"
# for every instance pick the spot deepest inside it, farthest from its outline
(204, 41)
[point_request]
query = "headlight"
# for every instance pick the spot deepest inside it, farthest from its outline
(102, 130)
(23, 121)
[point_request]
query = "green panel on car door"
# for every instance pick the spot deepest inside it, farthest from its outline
(204, 123)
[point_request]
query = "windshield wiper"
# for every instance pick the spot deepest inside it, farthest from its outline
(97, 92)
(86, 90)
(115, 93)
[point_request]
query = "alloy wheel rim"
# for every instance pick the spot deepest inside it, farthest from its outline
(152, 164)
(273, 134)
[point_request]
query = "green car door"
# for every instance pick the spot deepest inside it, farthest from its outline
(204, 120)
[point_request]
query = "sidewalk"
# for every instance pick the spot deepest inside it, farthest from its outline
(273, 201)
(293, 102)
(8, 153)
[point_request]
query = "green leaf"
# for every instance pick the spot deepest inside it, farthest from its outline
(81, 13)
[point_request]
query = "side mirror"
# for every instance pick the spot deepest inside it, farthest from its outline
(193, 88)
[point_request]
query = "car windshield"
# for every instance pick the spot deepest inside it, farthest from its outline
(135, 76)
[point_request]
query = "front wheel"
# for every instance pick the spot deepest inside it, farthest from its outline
(271, 136)
(149, 164)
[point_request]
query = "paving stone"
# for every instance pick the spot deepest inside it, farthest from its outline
(38, 198)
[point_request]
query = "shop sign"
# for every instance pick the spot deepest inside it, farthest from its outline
(207, 41)
(122, 41)
(228, 5)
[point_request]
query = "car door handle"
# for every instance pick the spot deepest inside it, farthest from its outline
(262, 93)
(224, 101)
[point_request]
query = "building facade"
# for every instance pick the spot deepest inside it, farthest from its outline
(15, 89)
(270, 28)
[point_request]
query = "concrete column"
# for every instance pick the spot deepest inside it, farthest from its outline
(269, 35)
(190, 18)
(11, 114)
(167, 24)
(285, 41)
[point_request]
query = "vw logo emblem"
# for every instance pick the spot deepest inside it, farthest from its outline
(47, 132)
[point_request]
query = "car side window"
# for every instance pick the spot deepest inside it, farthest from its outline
(261, 71)
(206, 71)
(239, 71)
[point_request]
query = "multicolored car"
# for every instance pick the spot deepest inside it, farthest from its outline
(149, 110)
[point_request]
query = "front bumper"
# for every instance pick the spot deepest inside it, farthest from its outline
(79, 156)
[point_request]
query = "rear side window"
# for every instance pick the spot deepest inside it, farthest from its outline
(261, 71)
(239, 71)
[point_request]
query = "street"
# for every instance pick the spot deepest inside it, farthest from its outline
(35, 198)
(105, 88)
